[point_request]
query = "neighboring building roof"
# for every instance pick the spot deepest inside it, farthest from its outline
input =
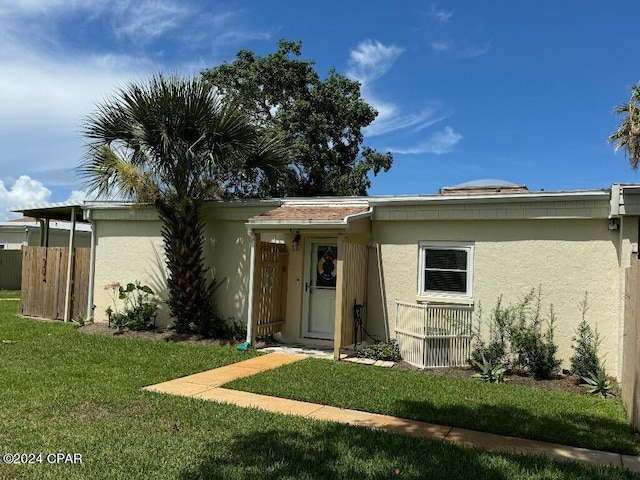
(29, 222)
(53, 211)
(485, 185)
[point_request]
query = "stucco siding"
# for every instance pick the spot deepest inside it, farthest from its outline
(566, 258)
(127, 251)
(129, 247)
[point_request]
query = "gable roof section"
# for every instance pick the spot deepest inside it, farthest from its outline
(310, 215)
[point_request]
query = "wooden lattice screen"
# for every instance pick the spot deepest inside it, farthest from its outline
(270, 288)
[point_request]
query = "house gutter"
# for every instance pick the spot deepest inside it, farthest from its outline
(252, 262)
(358, 216)
(92, 264)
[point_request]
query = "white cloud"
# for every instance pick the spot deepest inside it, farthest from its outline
(145, 20)
(77, 196)
(438, 143)
(391, 118)
(24, 191)
(371, 60)
(439, 15)
(460, 49)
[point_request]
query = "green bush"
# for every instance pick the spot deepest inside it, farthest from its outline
(140, 306)
(586, 341)
(382, 351)
(516, 338)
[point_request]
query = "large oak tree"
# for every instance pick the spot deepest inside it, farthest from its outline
(321, 121)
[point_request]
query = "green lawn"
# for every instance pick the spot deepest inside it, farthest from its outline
(10, 294)
(66, 392)
(559, 417)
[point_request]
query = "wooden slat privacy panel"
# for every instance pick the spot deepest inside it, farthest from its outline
(354, 286)
(44, 281)
(10, 269)
(270, 288)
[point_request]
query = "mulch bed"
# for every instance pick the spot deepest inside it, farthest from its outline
(160, 334)
(565, 383)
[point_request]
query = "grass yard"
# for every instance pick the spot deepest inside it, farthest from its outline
(10, 294)
(559, 417)
(62, 391)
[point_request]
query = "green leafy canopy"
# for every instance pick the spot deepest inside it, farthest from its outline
(321, 121)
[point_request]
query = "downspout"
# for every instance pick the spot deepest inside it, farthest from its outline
(252, 261)
(92, 264)
(383, 296)
(72, 238)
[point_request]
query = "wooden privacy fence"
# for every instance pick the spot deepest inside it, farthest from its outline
(270, 288)
(434, 336)
(631, 344)
(10, 269)
(44, 281)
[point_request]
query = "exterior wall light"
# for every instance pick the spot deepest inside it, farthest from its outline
(295, 244)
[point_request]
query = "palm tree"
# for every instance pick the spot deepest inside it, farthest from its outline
(627, 137)
(173, 143)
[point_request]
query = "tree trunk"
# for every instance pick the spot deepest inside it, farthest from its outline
(188, 283)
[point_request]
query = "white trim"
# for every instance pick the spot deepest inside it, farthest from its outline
(468, 247)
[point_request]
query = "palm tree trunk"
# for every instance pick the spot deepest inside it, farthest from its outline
(188, 283)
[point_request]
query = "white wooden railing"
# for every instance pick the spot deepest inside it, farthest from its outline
(434, 335)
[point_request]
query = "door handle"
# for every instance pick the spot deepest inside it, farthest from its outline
(307, 287)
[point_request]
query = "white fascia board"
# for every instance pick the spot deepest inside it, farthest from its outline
(492, 197)
(306, 224)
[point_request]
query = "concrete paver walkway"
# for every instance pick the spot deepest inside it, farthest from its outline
(206, 386)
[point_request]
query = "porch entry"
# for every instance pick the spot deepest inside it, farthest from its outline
(321, 280)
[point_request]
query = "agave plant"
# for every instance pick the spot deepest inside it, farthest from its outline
(488, 372)
(597, 383)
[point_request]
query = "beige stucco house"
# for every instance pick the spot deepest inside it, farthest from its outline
(314, 270)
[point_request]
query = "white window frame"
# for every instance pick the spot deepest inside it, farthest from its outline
(431, 245)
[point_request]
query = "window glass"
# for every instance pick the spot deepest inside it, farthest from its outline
(326, 267)
(446, 259)
(446, 270)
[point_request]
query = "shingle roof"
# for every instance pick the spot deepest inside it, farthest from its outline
(320, 213)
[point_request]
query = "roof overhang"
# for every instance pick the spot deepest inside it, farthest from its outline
(52, 211)
(310, 216)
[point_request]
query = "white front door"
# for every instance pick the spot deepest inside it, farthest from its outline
(320, 289)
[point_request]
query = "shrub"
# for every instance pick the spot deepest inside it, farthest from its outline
(586, 341)
(494, 351)
(516, 338)
(382, 351)
(140, 306)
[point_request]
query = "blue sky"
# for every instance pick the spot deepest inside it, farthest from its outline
(522, 91)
